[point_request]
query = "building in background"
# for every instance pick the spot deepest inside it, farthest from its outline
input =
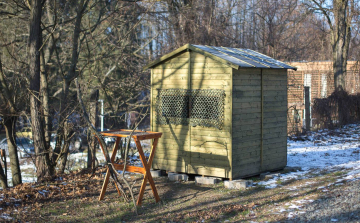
(319, 78)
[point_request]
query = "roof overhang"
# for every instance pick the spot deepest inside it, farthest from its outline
(189, 47)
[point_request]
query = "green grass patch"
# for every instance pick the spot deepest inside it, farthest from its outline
(338, 173)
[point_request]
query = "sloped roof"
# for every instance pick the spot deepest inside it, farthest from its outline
(234, 57)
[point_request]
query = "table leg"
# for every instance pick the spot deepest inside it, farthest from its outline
(107, 176)
(104, 186)
(147, 175)
(151, 158)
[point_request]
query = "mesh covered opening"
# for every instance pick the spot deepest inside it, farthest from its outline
(203, 107)
(175, 106)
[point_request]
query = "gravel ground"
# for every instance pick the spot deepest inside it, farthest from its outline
(341, 204)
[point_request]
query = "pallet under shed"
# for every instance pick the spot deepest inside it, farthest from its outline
(222, 111)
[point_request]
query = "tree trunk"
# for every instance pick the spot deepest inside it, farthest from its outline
(61, 133)
(9, 123)
(45, 101)
(68, 79)
(341, 35)
(64, 156)
(3, 177)
(42, 155)
(68, 131)
(3, 180)
(92, 141)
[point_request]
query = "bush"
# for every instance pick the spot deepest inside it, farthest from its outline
(340, 108)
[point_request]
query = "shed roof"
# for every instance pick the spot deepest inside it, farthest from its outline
(234, 57)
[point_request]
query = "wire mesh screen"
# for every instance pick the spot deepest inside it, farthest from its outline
(172, 107)
(196, 107)
(207, 108)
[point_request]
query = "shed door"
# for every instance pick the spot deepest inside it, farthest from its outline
(170, 111)
(193, 115)
(210, 112)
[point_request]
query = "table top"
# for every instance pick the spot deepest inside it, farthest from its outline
(137, 134)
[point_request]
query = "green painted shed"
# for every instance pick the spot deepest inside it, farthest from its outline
(222, 111)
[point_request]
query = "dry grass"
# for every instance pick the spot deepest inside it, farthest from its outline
(75, 199)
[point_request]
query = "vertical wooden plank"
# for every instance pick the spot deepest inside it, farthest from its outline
(307, 108)
(302, 96)
(189, 87)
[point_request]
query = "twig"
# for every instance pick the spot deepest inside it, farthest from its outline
(125, 158)
(112, 170)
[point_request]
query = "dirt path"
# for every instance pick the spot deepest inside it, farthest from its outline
(341, 204)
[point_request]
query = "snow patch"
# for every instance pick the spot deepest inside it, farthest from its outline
(323, 150)
(6, 216)
(293, 206)
(304, 201)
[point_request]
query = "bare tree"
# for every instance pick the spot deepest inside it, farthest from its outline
(106, 44)
(9, 113)
(339, 17)
(35, 40)
(110, 166)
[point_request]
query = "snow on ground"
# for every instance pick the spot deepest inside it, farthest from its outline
(330, 150)
(75, 161)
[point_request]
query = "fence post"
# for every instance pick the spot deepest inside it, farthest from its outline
(307, 108)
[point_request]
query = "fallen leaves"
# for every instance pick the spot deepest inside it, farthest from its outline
(80, 184)
(212, 213)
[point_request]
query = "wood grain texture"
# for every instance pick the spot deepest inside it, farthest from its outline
(247, 115)
(237, 146)
(183, 146)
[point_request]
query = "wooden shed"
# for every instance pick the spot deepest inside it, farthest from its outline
(222, 111)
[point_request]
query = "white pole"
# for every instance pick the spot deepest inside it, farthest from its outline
(102, 114)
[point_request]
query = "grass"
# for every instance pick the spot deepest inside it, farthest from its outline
(255, 179)
(338, 173)
(245, 213)
(181, 202)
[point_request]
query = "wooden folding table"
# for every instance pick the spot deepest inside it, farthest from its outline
(145, 170)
